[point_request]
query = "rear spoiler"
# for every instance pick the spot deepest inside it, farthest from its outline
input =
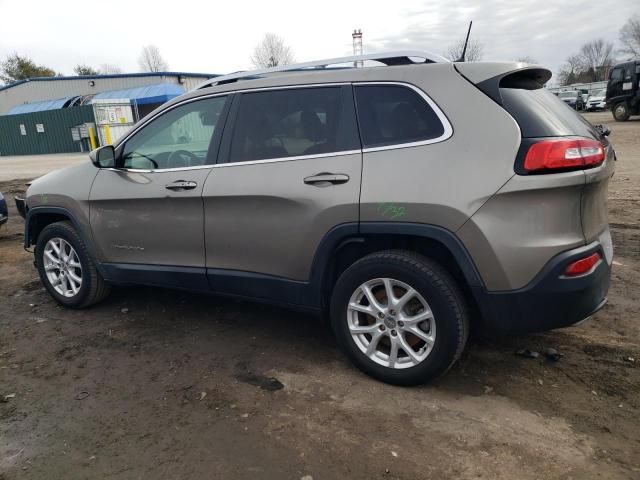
(489, 77)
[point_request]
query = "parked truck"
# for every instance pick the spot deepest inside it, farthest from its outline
(623, 95)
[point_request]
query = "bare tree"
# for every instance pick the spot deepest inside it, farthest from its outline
(526, 59)
(150, 60)
(474, 53)
(271, 52)
(596, 58)
(570, 70)
(630, 37)
(109, 68)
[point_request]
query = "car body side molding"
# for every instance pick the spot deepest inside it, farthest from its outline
(165, 276)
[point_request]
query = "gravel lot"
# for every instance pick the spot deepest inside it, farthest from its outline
(163, 384)
(32, 166)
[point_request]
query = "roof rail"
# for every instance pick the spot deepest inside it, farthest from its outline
(388, 58)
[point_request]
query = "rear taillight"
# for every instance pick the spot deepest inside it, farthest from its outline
(582, 266)
(563, 154)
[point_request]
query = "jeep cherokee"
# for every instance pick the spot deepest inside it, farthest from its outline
(408, 201)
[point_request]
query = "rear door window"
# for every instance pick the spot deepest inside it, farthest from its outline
(292, 123)
(393, 115)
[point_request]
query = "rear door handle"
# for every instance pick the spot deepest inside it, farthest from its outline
(179, 185)
(326, 179)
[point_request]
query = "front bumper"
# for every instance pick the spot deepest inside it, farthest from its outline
(551, 300)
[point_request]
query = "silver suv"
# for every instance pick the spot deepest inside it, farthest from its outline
(409, 201)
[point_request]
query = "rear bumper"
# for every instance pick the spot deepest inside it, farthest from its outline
(551, 300)
(4, 213)
(21, 206)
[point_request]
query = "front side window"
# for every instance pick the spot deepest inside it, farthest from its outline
(289, 123)
(616, 75)
(394, 114)
(177, 139)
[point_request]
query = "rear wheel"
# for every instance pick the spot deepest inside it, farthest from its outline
(66, 268)
(400, 317)
(621, 112)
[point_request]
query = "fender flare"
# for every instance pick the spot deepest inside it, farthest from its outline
(346, 232)
(84, 235)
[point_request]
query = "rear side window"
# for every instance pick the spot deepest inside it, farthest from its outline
(394, 114)
(628, 73)
(540, 113)
(293, 122)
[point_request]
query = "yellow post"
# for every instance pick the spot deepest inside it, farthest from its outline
(107, 134)
(92, 139)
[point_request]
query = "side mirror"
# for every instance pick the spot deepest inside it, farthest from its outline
(103, 157)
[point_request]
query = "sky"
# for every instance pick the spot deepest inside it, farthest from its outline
(219, 36)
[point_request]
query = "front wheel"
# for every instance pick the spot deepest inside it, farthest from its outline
(66, 269)
(621, 112)
(400, 317)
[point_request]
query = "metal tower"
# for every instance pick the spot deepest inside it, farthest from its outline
(357, 46)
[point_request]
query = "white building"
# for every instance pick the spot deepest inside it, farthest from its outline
(53, 88)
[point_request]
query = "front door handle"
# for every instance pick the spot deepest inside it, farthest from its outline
(326, 178)
(180, 185)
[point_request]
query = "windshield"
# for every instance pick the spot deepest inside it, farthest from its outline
(600, 93)
(568, 94)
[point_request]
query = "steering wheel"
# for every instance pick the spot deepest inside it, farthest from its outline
(181, 154)
(146, 157)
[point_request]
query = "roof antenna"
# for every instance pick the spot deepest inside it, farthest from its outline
(466, 42)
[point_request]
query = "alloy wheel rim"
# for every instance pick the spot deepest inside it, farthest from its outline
(62, 267)
(391, 323)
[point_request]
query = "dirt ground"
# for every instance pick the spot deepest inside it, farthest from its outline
(162, 384)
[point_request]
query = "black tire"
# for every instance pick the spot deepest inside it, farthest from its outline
(434, 284)
(93, 288)
(621, 112)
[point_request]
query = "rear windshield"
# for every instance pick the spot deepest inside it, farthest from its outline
(541, 114)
